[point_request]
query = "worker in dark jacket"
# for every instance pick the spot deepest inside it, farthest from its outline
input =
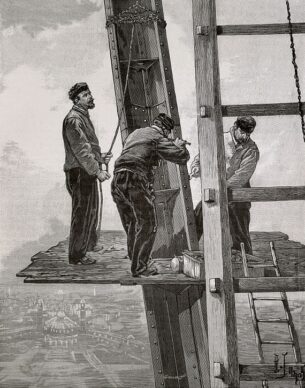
(132, 187)
(241, 155)
(83, 166)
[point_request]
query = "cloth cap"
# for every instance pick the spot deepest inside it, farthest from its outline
(246, 123)
(165, 120)
(76, 89)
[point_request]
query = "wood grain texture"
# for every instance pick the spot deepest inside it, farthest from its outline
(269, 284)
(260, 29)
(258, 372)
(279, 109)
(266, 194)
(222, 333)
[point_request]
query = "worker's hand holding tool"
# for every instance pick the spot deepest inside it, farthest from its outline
(181, 143)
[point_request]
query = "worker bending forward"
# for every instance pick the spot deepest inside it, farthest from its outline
(132, 187)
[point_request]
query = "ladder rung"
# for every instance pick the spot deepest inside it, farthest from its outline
(267, 298)
(277, 342)
(273, 320)
(260, 265)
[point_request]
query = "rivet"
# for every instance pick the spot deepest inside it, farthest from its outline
(166, 68)
(153, 326)
(159, 371)
(169, 93)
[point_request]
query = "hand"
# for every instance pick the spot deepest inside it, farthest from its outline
(106, 157)
(195, 171)
(103, 175)
(180, 143)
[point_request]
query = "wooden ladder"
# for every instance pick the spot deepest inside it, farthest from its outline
(294, 340)
(225, 370)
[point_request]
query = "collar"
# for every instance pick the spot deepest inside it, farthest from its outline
(81, 110)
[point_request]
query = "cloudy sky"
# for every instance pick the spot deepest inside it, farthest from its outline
(47, 46)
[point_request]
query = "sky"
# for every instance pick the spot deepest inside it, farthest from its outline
(47, 46)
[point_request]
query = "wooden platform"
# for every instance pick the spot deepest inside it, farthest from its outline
(112, 267)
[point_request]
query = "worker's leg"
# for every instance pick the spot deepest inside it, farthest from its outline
(83, 189)
(239, 217)
(199, 220)
(119, 191)
(146, 225)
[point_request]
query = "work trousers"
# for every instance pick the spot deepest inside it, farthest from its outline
(239, 220)
(84, 192)
(134, 199)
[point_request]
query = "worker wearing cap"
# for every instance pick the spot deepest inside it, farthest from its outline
(241, 155)
(132, 187)
(83, 166)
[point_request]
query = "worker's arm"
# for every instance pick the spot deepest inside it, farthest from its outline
(245, 171)
(80, 146)
(172, 150)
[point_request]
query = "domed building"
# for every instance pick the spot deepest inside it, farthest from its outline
(61, 331)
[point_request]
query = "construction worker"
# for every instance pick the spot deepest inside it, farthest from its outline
(241, 155)
(83, 167)
(132, 187)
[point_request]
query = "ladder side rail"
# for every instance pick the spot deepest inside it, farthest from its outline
(292, 331)
(255, 325)
(221, 313)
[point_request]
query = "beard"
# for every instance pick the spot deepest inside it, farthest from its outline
(91, 105)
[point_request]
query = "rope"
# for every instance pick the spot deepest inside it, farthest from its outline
(124, 91)
(296, 72)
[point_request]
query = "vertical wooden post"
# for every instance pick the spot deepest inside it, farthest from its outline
(222, 331)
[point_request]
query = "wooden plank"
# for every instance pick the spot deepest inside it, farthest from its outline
(153, 335)
(279, 109)
(173, 364)
(197, 301)
(260, 29)
(222, 331)
(269, 284)
(266, 194)
(257, 372)
(188, 329)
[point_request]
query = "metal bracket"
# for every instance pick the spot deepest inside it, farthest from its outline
(202, 30)
(203, 111)
(215, 285)
(209, 195)
(219, 370)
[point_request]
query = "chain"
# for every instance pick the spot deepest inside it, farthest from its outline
(296, 73)
(136, 14)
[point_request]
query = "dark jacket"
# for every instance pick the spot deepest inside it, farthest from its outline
(143, 149)
(81, 144)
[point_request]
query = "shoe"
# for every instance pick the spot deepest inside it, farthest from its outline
(84, 261)
(97, 248)
(147, 271)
